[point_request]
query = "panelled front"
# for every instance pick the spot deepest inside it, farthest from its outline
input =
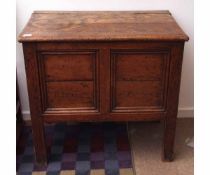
(139, 80)
(69, 80)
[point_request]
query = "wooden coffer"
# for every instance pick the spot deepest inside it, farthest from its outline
(103, 66)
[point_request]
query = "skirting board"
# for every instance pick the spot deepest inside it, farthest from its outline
(182, 113)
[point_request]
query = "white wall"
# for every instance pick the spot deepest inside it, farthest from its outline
(182, 10)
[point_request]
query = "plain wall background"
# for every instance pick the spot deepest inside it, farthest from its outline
(182, 11)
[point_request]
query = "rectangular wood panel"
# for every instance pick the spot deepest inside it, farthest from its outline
(70, 94)
(69, 80)
(139, 66)
(138, 80)
(69, 66)
(138, 94)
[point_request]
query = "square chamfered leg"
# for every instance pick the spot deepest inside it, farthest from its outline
(38, 134)
(172, 101)
(34, 94)
(169, 138)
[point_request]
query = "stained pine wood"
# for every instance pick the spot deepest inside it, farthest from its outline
(138, 94)
(103, 66)
(77, 26)
(57, 66)
(72, 94)
(127, 66)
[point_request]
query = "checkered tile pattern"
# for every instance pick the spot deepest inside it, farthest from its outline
(83, 149)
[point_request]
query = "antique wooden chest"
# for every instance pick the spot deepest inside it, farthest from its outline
(103, 66)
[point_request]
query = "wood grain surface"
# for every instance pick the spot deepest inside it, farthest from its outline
(109, 25)
(57, 66)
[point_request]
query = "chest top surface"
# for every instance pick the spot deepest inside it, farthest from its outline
(101, 26)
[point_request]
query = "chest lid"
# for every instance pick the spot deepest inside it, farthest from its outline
(101, 26)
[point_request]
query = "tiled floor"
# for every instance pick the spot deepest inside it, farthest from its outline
(83, 149)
